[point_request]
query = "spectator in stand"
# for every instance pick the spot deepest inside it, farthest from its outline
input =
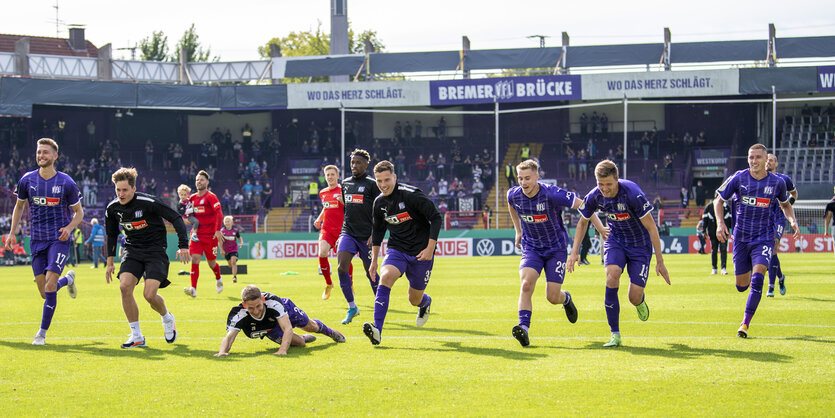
(478, 188)
(462, 193)
(407, 132)
(572, 164)
(487, 157)
(525, 153)
(305, 147)
(178, 155)
(509, 175)
(247, 189)
(226, 201)
(685, 197)
(430, 177)
(314, 146)
(584, 125)
(591, 149)
(443, 208)
(687, 139)
(441, 167)
(668, 167)
(699, 194)
(239, 203)
(149, 154)
(268, 195)
(398, 132)
(582, 168)
(701, 139)
(400, 162)
(257, 190)
(217, 136)
(453, 193)
(653, 174)
(443, 190)
(419, 129)
(433, 195)
(442, 128)
(595, 123)
(420, 165)
(566, 143)
(604, 125)
(152, 186)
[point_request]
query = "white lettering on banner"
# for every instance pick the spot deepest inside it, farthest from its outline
(827, 80)
(372, 94)
(278, 250)
(667, 84)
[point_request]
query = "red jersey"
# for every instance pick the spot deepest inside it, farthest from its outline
(334, 210)
(208, 213)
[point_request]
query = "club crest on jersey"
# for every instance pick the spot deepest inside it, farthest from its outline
(398, 218)
(137, 214)
(621, 207)
(57, 189)
(401, 205)
(202, 201)
(759, 202)
(533, 219)
(540, 207)
(768, 190)
(361, 189)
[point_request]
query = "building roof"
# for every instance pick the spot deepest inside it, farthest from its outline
(48, 46)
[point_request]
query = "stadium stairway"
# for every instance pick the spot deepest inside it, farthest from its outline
(511, 156)
(280, 220)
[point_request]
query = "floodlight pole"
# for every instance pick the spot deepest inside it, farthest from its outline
(496, 169)
(342, 138)
(773, 118)
(625, 132)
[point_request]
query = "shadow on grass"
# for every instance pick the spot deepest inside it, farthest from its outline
(685, 352)
(110, 351)
(815, 299)
(439, 330)
(457, 347)
(812, 339)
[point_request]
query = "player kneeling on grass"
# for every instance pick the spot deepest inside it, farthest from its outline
(266, 315)
(630, 244)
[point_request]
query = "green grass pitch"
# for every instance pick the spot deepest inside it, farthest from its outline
(686, 360)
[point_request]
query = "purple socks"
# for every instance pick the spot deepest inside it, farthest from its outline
(323, 329)
(48, 309)
(381, 306)
(754, 297)
(612, 308)
(345, 285)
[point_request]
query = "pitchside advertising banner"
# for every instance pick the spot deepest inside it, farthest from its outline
(661, 84)
(359, 94)
(826, 78)
(506, 90)
(281, 250)
(486, 247)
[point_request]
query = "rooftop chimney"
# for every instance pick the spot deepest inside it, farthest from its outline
(77, 41)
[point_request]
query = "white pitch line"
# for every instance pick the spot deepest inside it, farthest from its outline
(454, 337)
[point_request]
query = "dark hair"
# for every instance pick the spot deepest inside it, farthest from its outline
(362, 153)
(384, 166)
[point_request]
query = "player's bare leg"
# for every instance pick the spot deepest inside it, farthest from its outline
(127, 283)
(638, 299)
(233, 265)
(150, 292)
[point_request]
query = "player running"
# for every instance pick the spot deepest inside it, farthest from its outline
(358, 194)
(54, 210)
(413, 223)
(630, 244)
(210, 216)
(535, 210)
(229, 247)
(829, 220)
(329, 222)
(757, 190)
(774, 270)
(140, 215)
(266, 315)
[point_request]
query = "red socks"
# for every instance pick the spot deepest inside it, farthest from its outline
(351, 272)
(326, 270)
(216, 269)
(195, 273)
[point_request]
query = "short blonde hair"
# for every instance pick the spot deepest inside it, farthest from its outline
(606, 168)
(331, 167)
(183, 187)
(229, 217)
(250, 292)
(528, 165)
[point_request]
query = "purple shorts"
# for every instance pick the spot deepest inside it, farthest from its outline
(552, 260)
(635, 259)
(749, 254)
(779, 230)
(417, 272)
(49, 255)
(297, 318)
(351, 245)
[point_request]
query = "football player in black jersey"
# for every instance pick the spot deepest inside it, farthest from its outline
(141, 216)
(358, 194)
(413, 223)
(262, 315)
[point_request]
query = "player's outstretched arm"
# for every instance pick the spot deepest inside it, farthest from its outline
(287, 339)
(579, 232)
(721, 228)
(660, 269)
(108, 271)
(226, 343)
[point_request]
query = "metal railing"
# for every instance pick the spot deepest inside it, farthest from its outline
(63, 66)
(7, 63)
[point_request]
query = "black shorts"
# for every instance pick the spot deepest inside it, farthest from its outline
(231, 254)
(150, 266)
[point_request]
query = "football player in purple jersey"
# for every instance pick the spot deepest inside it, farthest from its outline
(757, 191)
(55, 210)
(630, 244)
(775, 273)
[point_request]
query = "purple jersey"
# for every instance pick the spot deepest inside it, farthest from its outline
(230, 243)
(779, 216)
(624, 212)
(49, 202)
(542, 226)
(754, 213)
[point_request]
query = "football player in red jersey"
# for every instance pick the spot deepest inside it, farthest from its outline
(208, 212)
(329, 223)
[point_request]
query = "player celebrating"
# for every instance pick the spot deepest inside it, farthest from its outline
(140, 215)
(630, 244)
(358, 194)
(413, 223)
(52, 196)
(535, 210)
(266, 315)
(329, 222)
(757, 190)
(716, 246)
(229, 247)
(210, 216)
(774, 270)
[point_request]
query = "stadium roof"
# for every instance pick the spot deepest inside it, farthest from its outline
(48, 46)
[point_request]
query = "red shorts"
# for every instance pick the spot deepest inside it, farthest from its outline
(329, 237)
(206, 245)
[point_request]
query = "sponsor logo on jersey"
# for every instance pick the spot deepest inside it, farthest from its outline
(619, 216)
(534, 219)
(46, 201)
(398, 218)
(759, 202)
(330, 204)
(199, 209)
(354, 198)
(135, 225)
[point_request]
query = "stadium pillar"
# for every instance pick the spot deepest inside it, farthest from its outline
(625, 132)
(342, 138)
(105, 64)
(665, 57)
(465, 49)
(496, 162)
(773, 118)
(21, 57)
(771, 59)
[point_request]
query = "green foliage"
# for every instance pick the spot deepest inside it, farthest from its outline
(685, 361)
(154, 47)
(194, 51)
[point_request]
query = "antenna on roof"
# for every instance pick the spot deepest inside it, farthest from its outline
(132, 50)
(58, 21)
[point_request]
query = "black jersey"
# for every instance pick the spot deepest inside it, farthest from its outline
(709, 217)
(409, 216)
(141, 219)
(240, 319)
(358, 193)
(830, 207)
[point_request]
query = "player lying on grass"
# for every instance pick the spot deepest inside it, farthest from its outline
(262, 315)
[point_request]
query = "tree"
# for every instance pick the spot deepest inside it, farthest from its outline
(194, 51)
(154, 47)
